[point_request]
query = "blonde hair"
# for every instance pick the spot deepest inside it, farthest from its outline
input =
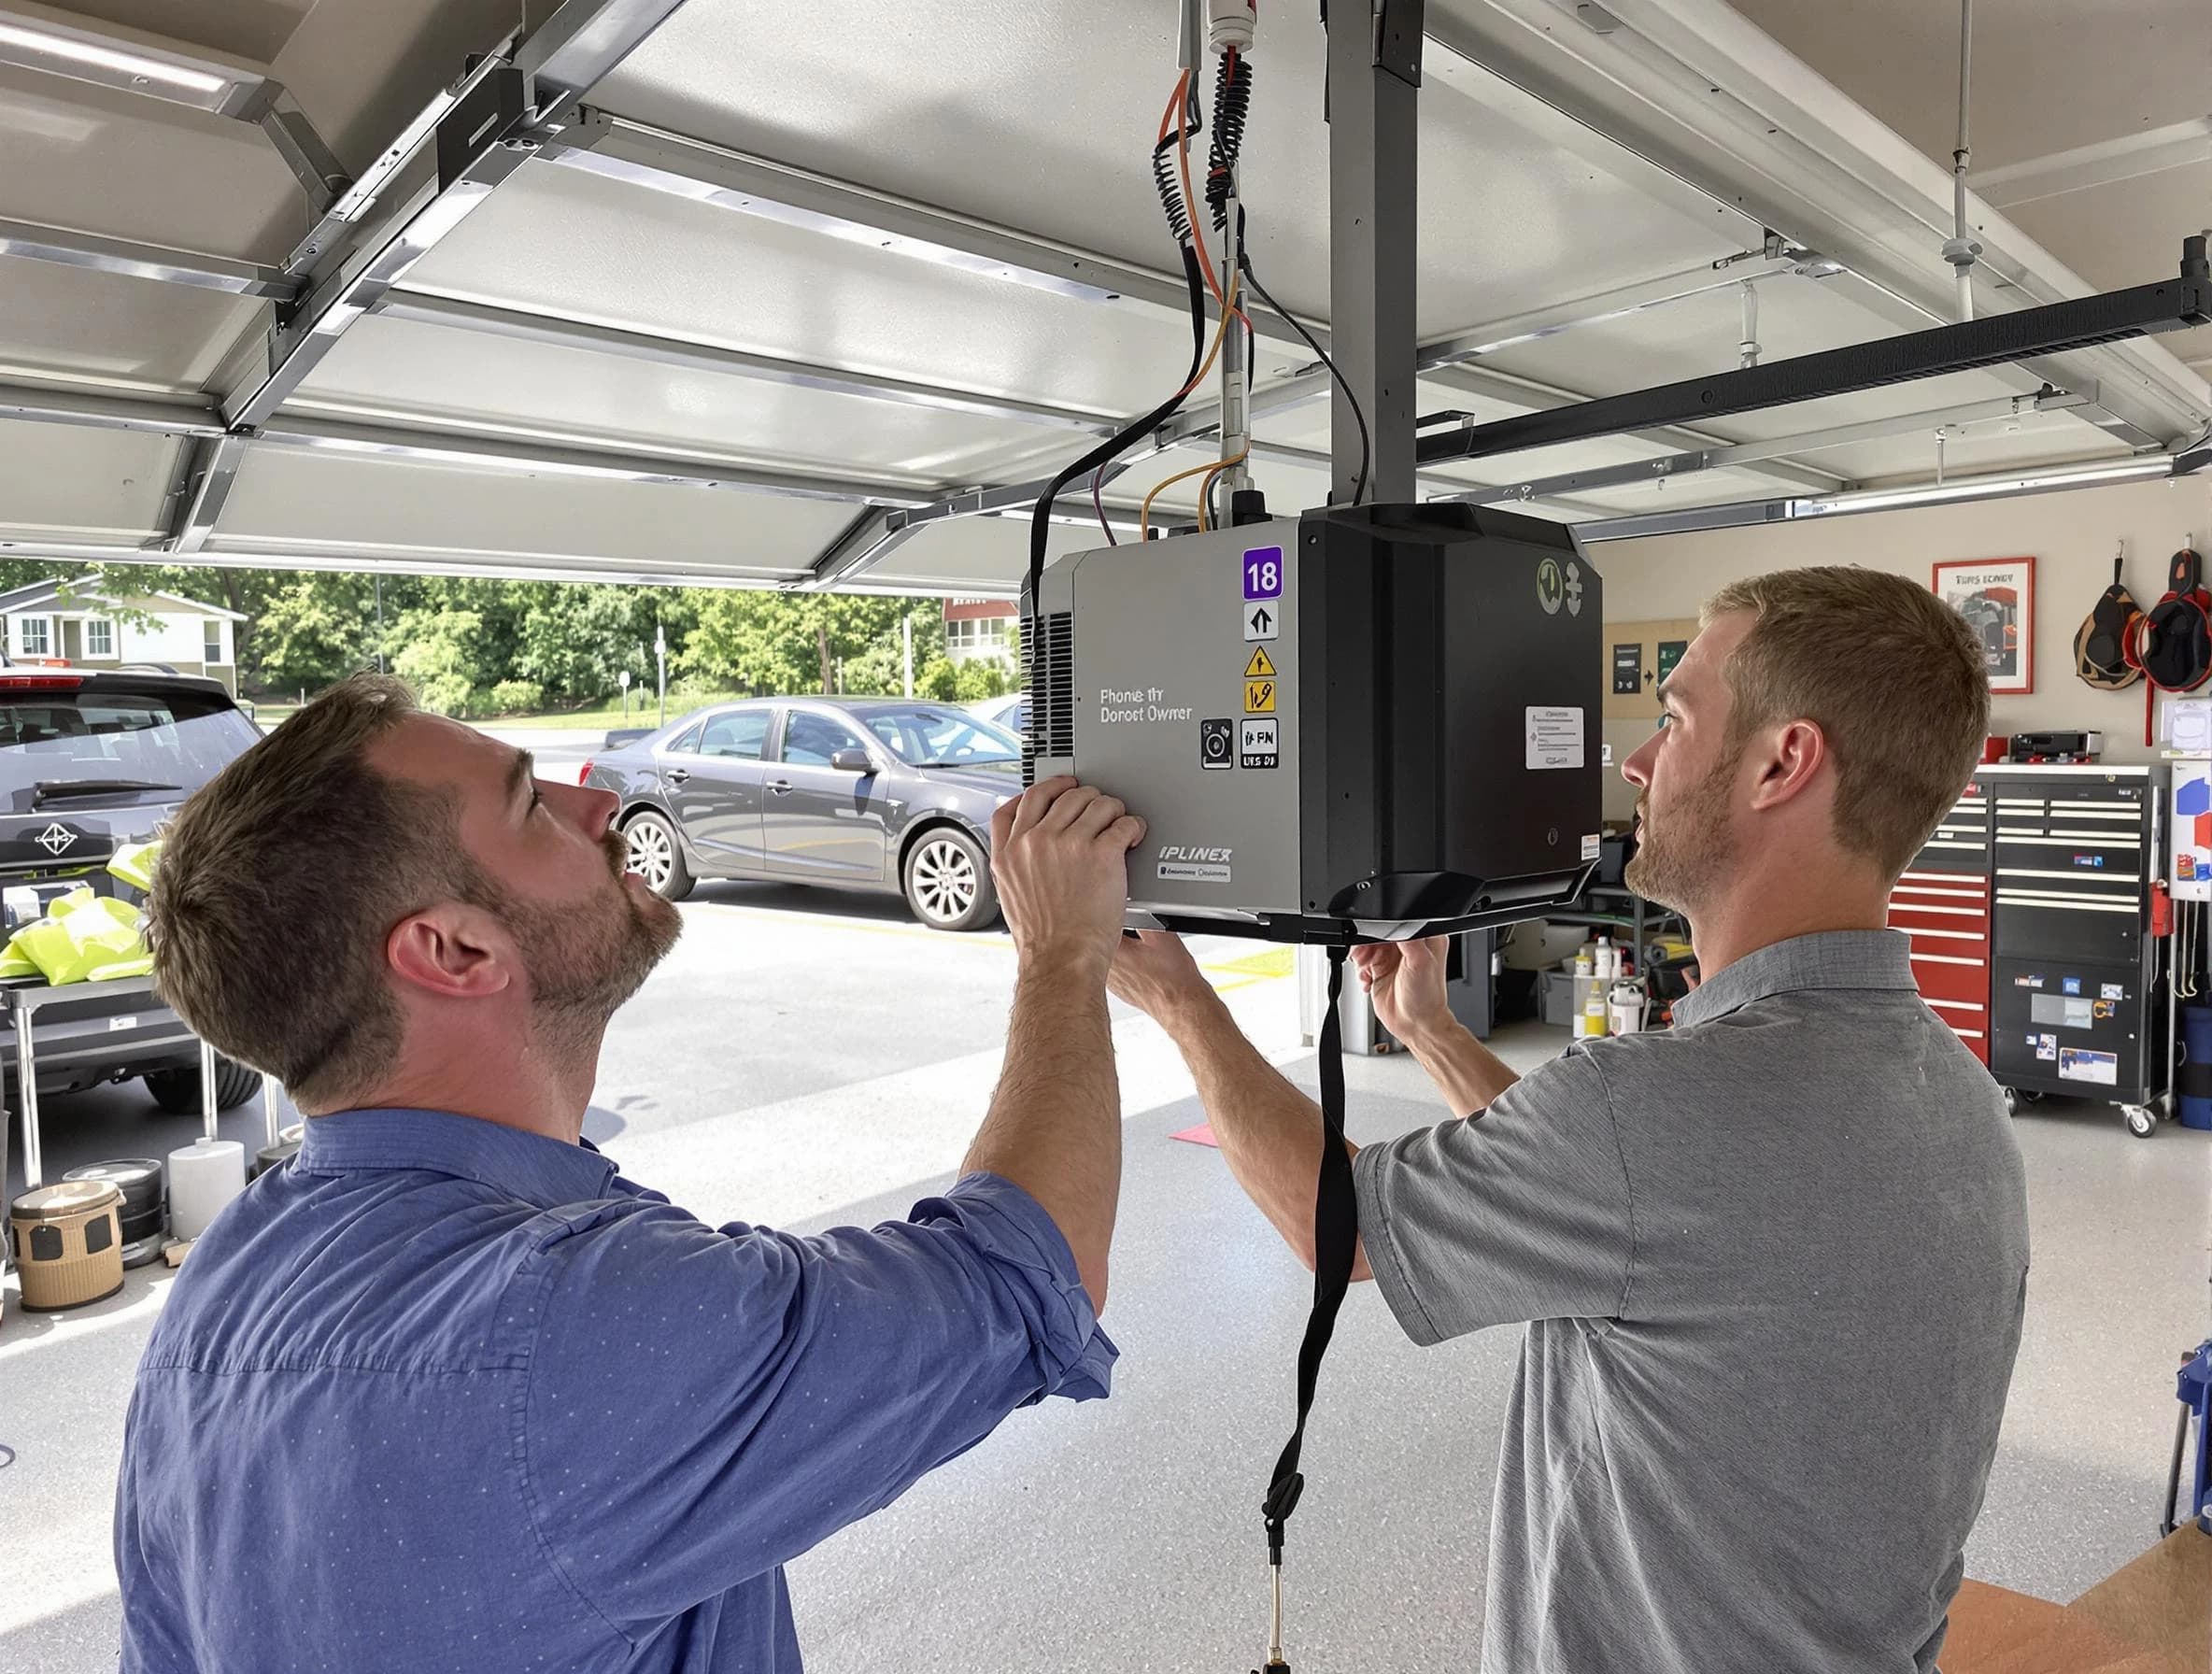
(1892, 676)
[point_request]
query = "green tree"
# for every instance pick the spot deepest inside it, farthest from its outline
(318, 628)
(785, 642)
(439, 653)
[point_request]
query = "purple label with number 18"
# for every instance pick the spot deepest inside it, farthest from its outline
(1263, 573)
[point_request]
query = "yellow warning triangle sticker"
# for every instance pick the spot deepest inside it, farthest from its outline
(1259, 668)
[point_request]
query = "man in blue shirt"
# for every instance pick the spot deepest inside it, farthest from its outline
(449, 1392)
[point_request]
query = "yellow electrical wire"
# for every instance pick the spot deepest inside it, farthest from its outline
(1205, 370)
(1144, 515)
(1206, 488)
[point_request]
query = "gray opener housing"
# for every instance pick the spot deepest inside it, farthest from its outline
(1417, 748)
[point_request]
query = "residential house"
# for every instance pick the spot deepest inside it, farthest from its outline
(74, 622)
(980, 628)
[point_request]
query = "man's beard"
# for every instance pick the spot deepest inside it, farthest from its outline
(585, 960)
(1683, 865)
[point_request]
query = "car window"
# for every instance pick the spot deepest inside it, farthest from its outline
(741, 736)
(181, 739)
(928, 735)
(688, 744)
(810, 739)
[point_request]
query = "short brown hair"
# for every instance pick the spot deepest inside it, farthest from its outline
(1891, 675)
(278, 883)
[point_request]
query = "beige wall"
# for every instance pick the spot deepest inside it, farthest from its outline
(2073, 538)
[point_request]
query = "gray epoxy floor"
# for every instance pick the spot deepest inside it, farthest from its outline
(1126, 1532)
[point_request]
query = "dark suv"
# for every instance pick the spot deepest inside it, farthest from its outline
(89, 760)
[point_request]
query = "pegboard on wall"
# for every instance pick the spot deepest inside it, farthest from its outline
(1638, 656)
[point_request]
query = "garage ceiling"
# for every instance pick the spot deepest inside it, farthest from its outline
(784, 275)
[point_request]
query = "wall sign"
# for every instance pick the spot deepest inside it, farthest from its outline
(1628, 669)
(1997, 598)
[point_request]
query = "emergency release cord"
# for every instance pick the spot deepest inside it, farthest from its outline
(1335, 1243)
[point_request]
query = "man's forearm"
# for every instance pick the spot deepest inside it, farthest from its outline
(1467, 1072)
(1055, 1122)
(1269, 1132)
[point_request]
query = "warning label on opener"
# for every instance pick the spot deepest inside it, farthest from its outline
(1554, 738)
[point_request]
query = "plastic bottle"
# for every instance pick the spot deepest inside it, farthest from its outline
(1606, 965)
(1593, 1016)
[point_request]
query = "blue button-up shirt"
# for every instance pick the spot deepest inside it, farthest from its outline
(443, 1395)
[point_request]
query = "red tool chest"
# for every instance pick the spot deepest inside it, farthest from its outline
(1942, 903)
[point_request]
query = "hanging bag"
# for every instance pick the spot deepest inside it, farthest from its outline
(2172, 641)
(2100, 645)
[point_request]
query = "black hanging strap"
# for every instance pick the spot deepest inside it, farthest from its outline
(1336, 1239)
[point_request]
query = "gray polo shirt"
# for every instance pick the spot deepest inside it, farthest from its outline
(1773, 1264)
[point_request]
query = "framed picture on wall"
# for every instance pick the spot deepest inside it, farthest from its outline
(1997, 597)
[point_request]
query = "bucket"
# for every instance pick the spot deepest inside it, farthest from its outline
(2194, 1081)
(204, 1177)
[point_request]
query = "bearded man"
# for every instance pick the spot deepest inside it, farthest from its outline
(448, 1393)
(1771, 1262)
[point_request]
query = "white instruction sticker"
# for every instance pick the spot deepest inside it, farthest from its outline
(1592, 846)
(1554, 738)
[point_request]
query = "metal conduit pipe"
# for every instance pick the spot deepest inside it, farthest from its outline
(1749, 346)
(1960, 248)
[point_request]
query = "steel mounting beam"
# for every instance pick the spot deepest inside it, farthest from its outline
(204, 487)
(482, 132)
(31, 402)
(1619, 303)
(1994, 339)
(2004, 485)
(497, 453)
(99, 253)
(1739, 454)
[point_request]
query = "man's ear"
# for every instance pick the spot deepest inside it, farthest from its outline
(1788, 758)
(453, 950)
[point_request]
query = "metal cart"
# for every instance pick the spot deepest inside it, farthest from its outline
(23, 1005)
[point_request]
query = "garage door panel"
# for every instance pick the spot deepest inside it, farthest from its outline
(105, 160)
(72, 483)
(558, 241)
(126, 334)
(1067, 158)
(287, 496)
(426, 373)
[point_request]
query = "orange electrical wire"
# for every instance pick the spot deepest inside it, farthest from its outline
(1174, 104)
(1197, 230)
(1144, 513)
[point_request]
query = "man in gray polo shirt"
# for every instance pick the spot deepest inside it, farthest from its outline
(1772, 1262)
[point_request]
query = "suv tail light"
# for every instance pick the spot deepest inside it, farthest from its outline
(585, 776)
(56, 682)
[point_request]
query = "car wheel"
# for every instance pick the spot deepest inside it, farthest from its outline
(177, 1091)
(657, 857)
(948, 881)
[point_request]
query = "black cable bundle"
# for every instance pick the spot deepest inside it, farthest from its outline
(1232, 103)
(1163, 178)
(1040, 518)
